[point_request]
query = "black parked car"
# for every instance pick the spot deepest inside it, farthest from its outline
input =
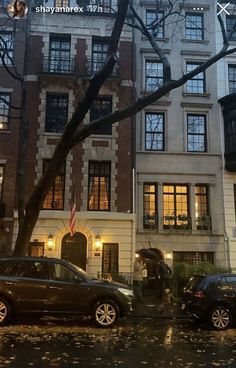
(211, 299)
(41, 286)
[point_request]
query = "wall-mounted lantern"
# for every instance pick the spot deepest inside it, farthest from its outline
(98, 243)
(50, 242)
(169, 255)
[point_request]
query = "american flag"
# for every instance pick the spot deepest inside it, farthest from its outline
(73, 215)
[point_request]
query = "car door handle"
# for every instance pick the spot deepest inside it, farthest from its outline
(10, 283)
(54, 287)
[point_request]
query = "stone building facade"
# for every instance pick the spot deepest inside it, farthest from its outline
(180, 210)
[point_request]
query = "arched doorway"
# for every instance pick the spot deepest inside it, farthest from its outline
(74, 249)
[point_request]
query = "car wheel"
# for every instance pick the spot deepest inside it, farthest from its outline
(220, 318)
(5, 311)
(105, 313)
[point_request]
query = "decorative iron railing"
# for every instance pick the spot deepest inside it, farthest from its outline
(203, 223)
(58, 65)
(94, 65)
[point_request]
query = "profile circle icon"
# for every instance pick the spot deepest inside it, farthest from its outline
(17, 9)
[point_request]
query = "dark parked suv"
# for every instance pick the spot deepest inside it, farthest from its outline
(41, 286)
(211, 299)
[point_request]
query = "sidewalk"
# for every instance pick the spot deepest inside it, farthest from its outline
(152, 308)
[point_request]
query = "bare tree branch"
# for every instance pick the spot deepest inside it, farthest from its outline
(9, 104)
(147, 100)
(156, 48)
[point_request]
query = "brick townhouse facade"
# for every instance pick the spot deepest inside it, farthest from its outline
(63, 51)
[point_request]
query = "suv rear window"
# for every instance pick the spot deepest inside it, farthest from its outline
(194, 282)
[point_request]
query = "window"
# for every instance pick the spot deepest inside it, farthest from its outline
(6, 45)
(231, 281)
(202, 207)
(232, 78)
(193, 257)
(99, 54)
(230, 24)
(4, 110)
(62, 273)
(56, 112)
(154, 23)
(150, 205)
(154, 76)
(194, 26)
(230, 136)
(104, 6)
(101, 107)
(30, 269)
(1, 179)
(59, 54)
(110, 256)
(36, 249)
(175, 206)
(154, 131)
(197, 83)
(61, 3)
(55, 197)
(99, 185)
(196, 127)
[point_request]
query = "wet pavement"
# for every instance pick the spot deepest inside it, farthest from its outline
(135, 342)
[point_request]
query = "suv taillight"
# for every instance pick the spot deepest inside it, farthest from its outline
(199, 294)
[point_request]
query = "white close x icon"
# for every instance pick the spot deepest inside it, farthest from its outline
(223, 8)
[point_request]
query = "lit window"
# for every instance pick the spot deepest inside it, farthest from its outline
(150, 205)
(175, 206)
(61, 3)
(55, 197)
(99, 186)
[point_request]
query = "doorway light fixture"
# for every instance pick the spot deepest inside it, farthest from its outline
(98, 243)
(50, 241)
